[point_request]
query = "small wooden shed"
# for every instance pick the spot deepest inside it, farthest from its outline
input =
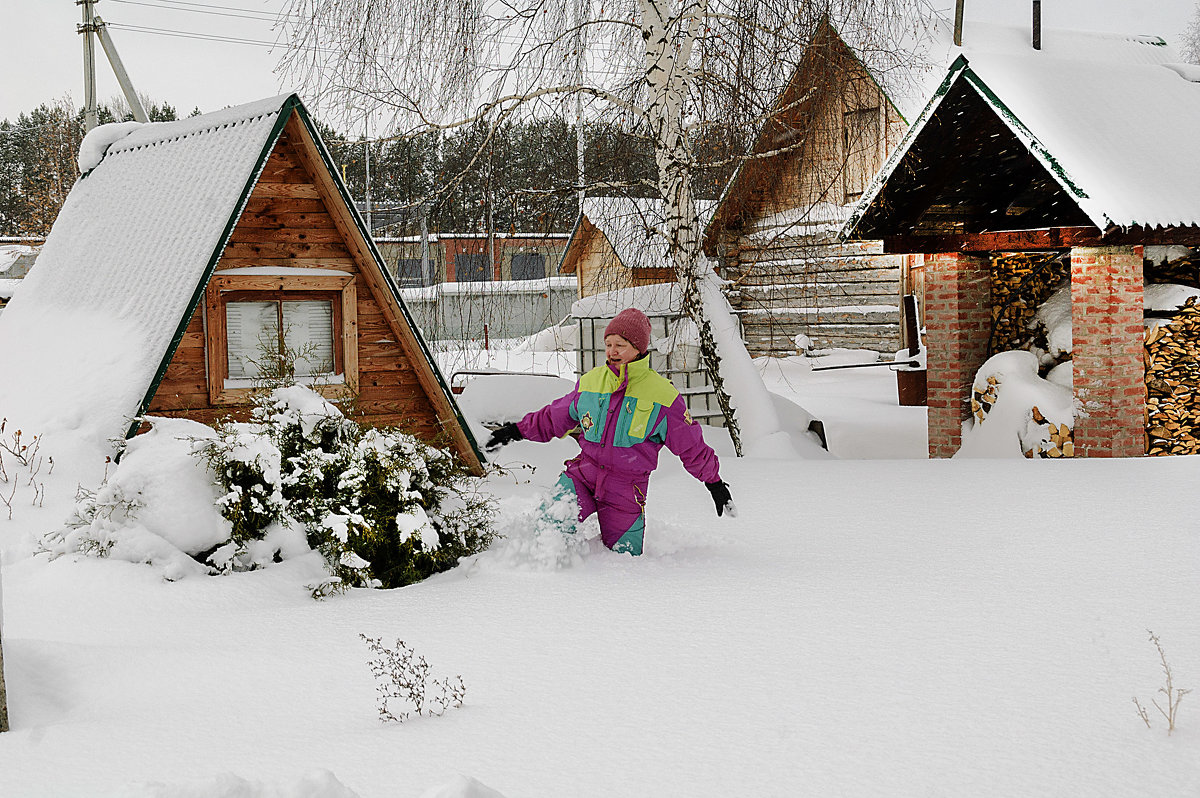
(190, 251)
(774, 230)
(1083, 151)
(618, 243)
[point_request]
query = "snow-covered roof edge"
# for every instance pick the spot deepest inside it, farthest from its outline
(961, 69)
(255, 109)
(1034, 145)
(871, 192)
(364, 232)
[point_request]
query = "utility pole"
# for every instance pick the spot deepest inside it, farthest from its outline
(89, 63)
(426, 274)
(367, 155)
(94, 26)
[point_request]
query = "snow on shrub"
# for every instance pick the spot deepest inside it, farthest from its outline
(382, 508)
(158, 507)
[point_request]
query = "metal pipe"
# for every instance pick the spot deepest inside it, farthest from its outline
(1037, 24)
(913, 363)
(958, 22)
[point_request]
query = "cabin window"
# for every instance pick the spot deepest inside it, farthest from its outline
(258, 328)
(265, 336)
(860, 142)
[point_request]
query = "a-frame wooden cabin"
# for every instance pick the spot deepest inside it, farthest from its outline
(203, 238)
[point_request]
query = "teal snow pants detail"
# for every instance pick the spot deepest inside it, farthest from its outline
(621, 512)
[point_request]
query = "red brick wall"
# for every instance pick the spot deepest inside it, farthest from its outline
(958, 319)
(1108, 339)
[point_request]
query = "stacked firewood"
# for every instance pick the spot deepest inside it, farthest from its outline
(1060, 438)
(1173, 384)
(1021, 281)
(1181, 271)
(982, 400)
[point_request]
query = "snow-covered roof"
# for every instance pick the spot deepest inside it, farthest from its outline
(130, 248)
(657, 299)
(11, 253)
(636, 228)
(909, 63)
(1112, 118)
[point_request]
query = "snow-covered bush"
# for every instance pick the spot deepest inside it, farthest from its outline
(382, 507)
(157, 507)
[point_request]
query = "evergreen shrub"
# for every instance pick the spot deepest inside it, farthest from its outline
(382, 507)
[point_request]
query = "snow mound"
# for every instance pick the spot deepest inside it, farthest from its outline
(1010, 427)
(99, 139)
(501, 398)
(658, 299)
(560, 338)
(462, 787)
(319, 784)
(176, 491)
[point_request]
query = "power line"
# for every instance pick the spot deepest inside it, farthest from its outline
(214, 37)
(246, 13)
(272, 45)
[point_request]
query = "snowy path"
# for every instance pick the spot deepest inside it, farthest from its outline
(862, 629)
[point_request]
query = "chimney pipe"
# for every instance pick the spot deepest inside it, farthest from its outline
(958, 22)
(1037, 24)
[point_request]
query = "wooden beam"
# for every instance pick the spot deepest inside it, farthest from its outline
(1001, 241)
(1158, 236)
(1048, 238)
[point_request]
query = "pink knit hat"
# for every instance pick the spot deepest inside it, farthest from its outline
(632, 325)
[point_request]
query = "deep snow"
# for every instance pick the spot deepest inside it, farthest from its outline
(865, 627)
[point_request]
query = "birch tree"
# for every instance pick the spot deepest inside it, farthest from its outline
(665, 69)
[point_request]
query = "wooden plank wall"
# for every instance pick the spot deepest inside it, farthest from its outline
(286, 223)
(839, 295)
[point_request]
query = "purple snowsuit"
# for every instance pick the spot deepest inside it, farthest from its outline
(623, 417)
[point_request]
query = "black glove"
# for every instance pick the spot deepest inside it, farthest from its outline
(502, 435)
(721, 498)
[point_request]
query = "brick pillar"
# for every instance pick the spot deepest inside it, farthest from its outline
(958, 319)
(1108, 345)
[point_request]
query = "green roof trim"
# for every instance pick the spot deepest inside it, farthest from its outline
(1036, 148)
(961, 68)
(889, 167)
(293, 101)
(302, 112)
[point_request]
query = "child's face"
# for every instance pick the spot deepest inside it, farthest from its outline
(618, 351)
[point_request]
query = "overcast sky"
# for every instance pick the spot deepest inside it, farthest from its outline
(180, 53)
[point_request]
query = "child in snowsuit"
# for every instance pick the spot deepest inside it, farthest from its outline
(624, 412)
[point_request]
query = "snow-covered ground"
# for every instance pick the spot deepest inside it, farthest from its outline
(867, 626)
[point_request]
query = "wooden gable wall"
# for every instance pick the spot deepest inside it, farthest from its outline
(792, 280)
(289, 222)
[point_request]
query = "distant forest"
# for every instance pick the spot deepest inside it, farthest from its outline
(520, 179)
